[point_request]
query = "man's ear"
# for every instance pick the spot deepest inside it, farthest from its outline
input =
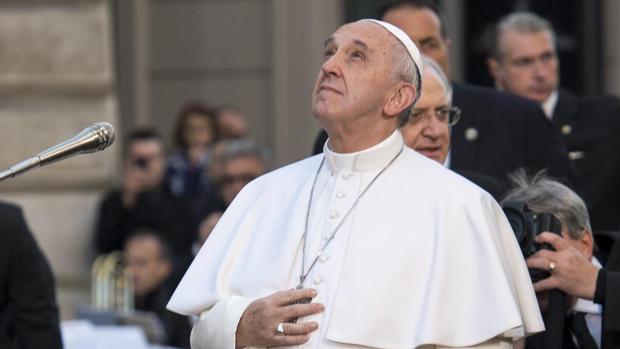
(494, 68)
(586, 243)
(402, 97)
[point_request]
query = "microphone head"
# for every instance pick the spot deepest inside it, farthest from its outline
(105, 134)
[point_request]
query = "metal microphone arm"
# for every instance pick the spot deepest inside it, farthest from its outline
(94, 138)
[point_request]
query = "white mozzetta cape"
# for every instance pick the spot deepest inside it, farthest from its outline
(431, 259)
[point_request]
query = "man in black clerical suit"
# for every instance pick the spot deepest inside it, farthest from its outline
(523, 60)
(28, 311)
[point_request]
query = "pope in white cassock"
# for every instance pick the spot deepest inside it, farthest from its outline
(394, 250)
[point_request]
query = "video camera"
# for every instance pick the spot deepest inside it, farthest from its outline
(526, 226)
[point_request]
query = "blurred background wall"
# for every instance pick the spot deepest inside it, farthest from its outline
(65, 64)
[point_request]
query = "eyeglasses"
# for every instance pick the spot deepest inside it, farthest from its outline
(445, 115)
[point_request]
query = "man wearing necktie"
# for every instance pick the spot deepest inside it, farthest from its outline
(583, 325)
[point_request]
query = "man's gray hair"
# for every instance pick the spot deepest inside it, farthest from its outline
(406, 69)
(525, 22)
(542, 194)
(429, 63)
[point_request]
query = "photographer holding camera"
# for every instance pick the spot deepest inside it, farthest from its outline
(144, 201)
(592, 293)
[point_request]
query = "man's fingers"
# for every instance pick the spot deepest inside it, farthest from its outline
(554, 240)
(300, 328)
(547, 255)
(546, 284)
(286, 341)
(290, 296)
(300, 310)
(538, 263)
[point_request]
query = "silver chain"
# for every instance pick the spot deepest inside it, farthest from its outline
(304, 274)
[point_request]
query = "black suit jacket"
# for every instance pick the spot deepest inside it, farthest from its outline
(168, 215)
(28, 311)
(590, 128)
(499, 133)
(611, 308)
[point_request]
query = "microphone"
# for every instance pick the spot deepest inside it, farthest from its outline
(94, 138)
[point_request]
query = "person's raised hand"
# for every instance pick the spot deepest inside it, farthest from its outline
(258, 326)
(571, 272)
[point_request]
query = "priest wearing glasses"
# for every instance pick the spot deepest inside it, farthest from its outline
(369, 245)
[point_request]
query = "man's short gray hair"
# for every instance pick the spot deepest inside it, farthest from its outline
(542, 194)
(525, 22)
(406, 69)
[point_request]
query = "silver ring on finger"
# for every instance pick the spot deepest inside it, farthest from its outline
(280, 329)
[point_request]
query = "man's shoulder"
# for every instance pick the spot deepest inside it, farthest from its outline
(9, 210)
(602, 102)
(596, 111)
(487, 96)
(286, 176)
(491, 185)
(432, 177)
(10, 218)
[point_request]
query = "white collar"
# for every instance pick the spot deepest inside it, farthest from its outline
(549, 104)
(369, 159)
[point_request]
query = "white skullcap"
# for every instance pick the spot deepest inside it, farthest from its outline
(412, 49)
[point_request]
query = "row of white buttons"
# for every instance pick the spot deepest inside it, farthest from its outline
(318, 280)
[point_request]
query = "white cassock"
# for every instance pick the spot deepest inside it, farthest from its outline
(426, 258)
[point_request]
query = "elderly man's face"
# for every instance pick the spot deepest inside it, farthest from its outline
(357, 69)
(427, 134)
(528, 64)
(424, 28)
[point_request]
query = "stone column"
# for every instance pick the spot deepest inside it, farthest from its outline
(299, 30)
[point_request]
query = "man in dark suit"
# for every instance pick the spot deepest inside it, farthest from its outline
(576, 275)
(28, 311)
(428, 129)
(591, 289)
(149, 261)
(523, 60)
(145, 201)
